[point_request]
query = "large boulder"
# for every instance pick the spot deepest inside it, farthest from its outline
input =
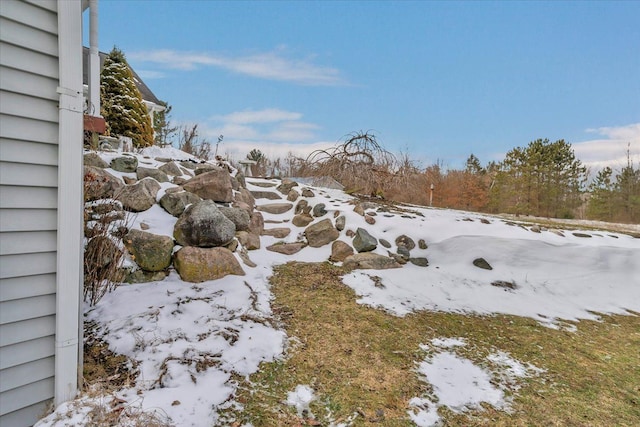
(93, 159)
(171, 168)
(212, 185)
(363, 241)
(245, 196)
(321, 233)
(150, 251)
(302, 220)
(140, 196)
(124, 164)
(154, 173)
(369, 260)
(176, 203)
(249, 240)
(240, 217)
(256, 223)
(100, 184)
(340, 251)
(203, 225)
(201, 264)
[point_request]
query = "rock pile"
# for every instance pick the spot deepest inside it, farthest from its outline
(218, 220)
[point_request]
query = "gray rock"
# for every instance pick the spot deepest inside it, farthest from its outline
(201, 264)
(300, 207)
(385, 243)
(171, 168)
(341, 222)
(204, 168)
(482, 263)
(141, 276)
(306, 192)
(140, 196)
(581, 235)
(319, 210)
(93, 159)
(212, 185)
(340, 251)
(504, 284)
(275, 208)
(403, 252)
(419, 261)
(242, 182)
(203, 225)
(405, 241)
(321, 233)
(189, 164)
(176, 203)
(363, 241)
(369, 260)
(239, 217)
(100, 184)
(150, 251)
(156, 174)
(124, 164)
(422, 244)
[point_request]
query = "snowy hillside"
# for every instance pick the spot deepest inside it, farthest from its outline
(192, 340)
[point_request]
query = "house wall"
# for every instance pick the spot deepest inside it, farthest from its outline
(29, 115)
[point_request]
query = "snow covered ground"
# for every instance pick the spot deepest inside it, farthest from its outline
(193, 340)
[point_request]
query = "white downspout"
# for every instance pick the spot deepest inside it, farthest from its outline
(94, 61)
(70, 201)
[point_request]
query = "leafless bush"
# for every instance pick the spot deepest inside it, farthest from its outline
(190, 141)
(102, 256)
(360, 163)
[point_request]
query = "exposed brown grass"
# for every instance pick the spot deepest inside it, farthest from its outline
(361, 361)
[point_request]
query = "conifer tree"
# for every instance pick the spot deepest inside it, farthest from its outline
(544, 179)
(122, 105)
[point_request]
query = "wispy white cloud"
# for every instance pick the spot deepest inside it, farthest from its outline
(268, 115)
(268, 65)
(610, 149)
(273, 131)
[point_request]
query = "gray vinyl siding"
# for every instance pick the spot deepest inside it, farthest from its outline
(28, 209)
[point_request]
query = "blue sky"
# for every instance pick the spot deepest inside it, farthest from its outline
(439, 80)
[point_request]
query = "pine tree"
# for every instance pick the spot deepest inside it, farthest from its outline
(122, 105)
(162, 125)
(601, 204)
(542, 179)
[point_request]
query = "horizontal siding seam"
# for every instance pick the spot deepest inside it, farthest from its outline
(27, 25)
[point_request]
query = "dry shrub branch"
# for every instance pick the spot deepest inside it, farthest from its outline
(360, 163)
(105, 224)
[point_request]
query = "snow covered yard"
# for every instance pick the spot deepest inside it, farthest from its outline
(205, 351)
